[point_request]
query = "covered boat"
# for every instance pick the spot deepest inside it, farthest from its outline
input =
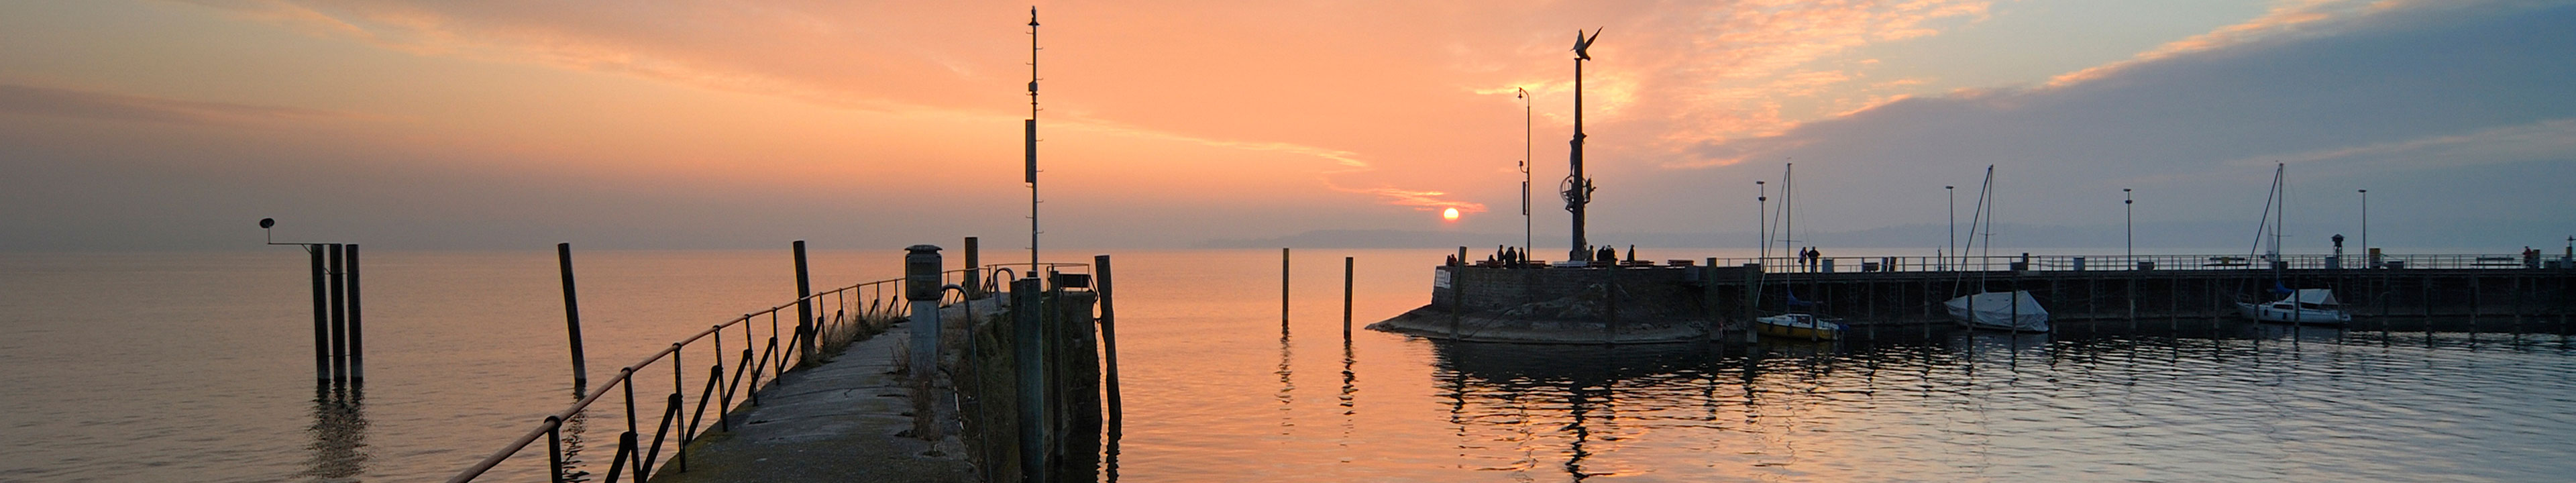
(2304, 306)
(1798, 326)
(2014, 311)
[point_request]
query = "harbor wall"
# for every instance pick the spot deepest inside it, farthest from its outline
(1584, 302)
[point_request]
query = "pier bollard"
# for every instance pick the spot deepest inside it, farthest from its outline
(572, 319)
(921, 287)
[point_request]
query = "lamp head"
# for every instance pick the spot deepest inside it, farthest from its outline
(266, 223)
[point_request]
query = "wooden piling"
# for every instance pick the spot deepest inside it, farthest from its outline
(974, 269)
(1109, 343)
(357, 343)
(572, 319)
(339, 316)
(805, 307)
(1029, 363)
(1346, 298)
(321, 314)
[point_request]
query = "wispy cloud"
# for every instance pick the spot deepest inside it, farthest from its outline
(51, 101)
(2287, 17)
(2548, 139)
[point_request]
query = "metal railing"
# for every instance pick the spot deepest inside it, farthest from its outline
(858, 306)
(2138, 262)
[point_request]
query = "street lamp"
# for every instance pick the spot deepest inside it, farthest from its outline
(1526, 143)
(2365, 229)
(1952, 193)
(2129, 223)
(1762, 220)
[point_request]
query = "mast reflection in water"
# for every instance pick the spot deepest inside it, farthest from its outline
(339, 432)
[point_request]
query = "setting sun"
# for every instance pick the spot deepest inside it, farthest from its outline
(1449, 214)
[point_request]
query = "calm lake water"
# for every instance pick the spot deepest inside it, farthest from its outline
(197, 367)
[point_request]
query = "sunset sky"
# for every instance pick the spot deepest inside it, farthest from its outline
(746, 123)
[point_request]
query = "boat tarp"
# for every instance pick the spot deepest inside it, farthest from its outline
(2313, 296)
(1998, 309)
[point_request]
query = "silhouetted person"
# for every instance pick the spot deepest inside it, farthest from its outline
(1632, 254)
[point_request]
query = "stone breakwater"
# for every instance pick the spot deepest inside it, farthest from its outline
(1562, 305)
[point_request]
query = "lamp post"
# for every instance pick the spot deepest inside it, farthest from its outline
(1762, 220)
(1527, 142)
(2365, 227)
(2129, 223)
(1952, 194)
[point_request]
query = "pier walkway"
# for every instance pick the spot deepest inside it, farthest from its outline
(840, 421)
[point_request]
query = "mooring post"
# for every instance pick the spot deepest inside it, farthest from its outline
(357, 344)
(339, 316)
(1283, 290)
(804, 307)
(974, 269)
(572, 319)
(1109, 341)
(1029, 361)
(321, 314)
(1708, 292)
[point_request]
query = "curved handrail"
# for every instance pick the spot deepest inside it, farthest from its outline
(625, 377)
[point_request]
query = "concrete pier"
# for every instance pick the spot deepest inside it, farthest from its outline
(843, 420)
(854, 418)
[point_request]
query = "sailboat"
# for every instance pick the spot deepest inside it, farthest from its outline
(2302, 306)
(1793, 324)
(2012, 311)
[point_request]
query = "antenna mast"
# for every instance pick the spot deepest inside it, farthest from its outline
(1031, 131)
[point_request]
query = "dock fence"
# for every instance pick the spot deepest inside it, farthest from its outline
(862, 308)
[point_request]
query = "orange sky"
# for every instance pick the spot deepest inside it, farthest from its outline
(745, 122)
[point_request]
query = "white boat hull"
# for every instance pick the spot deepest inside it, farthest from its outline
(1798, 326)
(2283, 315)
(2012, 311)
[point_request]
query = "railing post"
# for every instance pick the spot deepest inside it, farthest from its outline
(804, 308)
(554, 448)
(572, 319)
